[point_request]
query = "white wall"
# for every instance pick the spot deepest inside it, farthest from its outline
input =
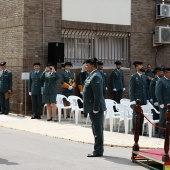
(97, 11)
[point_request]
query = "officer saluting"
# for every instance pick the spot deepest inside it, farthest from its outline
(5, 86)
(35, 85)
(94, 104)
(162, 92)
(138, 90)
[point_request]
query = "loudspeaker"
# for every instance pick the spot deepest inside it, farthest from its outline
(55, 52)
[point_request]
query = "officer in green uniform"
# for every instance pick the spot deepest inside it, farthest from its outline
(68, 83)
(5, 87)
(35, 85)
(138, 90)
(117, 80)
(162, 92)
(50, 77)
(104, 76)
(94, 104)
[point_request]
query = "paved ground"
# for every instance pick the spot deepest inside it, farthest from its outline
(79, 133)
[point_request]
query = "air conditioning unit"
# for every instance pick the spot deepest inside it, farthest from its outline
(162, 35)
(162, 11)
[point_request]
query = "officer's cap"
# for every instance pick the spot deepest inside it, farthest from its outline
(68, 63)
(100, 63)
(36, 64)
(136, 63)
(118, 63)
(50, 64)
(92, 60)
(2, 63)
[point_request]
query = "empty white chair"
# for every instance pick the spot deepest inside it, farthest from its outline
(75, 109)
(60, 106)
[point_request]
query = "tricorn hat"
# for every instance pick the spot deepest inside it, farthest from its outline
(36, 64)
(118, 63)
(136, 63)
(2, 63)
(100, 63)
(50, 64)
(92, 60)
(68, 63)
(166, 69)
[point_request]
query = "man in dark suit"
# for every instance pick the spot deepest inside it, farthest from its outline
(138, 90)
(35, 86)
(5, 87)
(94, 104)
(162, 92)
(117, 80)
(104, 76)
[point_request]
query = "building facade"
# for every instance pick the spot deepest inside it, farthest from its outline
(110, 30)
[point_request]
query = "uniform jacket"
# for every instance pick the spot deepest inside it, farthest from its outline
(138, 88)
(117, 79)
(50, 82)
(93, 93)
(104, 76)
(5, 81)
(163, 91)
(35, 83)
(152, 89)
(68, 79)
(81, 79)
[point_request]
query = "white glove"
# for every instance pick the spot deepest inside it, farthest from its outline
(114, 89)
(151, 100)
(133, 102)
(156, 104)
(124, 89)
(81, 93)
(95, 111)
(162, 106)
(70, 88)
(30, 93)
(106, 88)
(147, 101)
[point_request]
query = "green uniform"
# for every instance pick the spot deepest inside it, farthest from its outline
(138, 90)
(93, 100)
(69, 79)
(117, 80)
(35, 85)
(50, 86)
(104, 76)
(162, 92)
(5, 85)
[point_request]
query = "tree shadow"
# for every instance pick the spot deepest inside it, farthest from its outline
(6, 162)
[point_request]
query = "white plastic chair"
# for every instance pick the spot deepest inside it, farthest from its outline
(125, 116)
(60, 106)
(147, 110)
(75, 109)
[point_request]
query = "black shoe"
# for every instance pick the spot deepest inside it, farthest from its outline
(39, 117)
(162, 136)
(94, 155)
(55, 120)
(34, 117)
(49, 119)
(5, 113)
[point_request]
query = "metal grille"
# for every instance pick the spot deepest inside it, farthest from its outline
(106, 46)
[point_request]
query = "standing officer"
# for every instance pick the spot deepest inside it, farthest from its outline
(104, 76)
(94, 104)
(68, 83)
(35, 85)
(163, 96)
(117, 79)
(138, 90)
(5, 87)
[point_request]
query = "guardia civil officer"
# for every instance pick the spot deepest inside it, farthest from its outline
(104, 76)
(35, 85)
(138, 90)
(68, 83)
(50, 77)
(94, 104)
(5, 87)
(117, 80)
(162, 92)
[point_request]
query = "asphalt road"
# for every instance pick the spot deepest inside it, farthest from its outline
(21, 150)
